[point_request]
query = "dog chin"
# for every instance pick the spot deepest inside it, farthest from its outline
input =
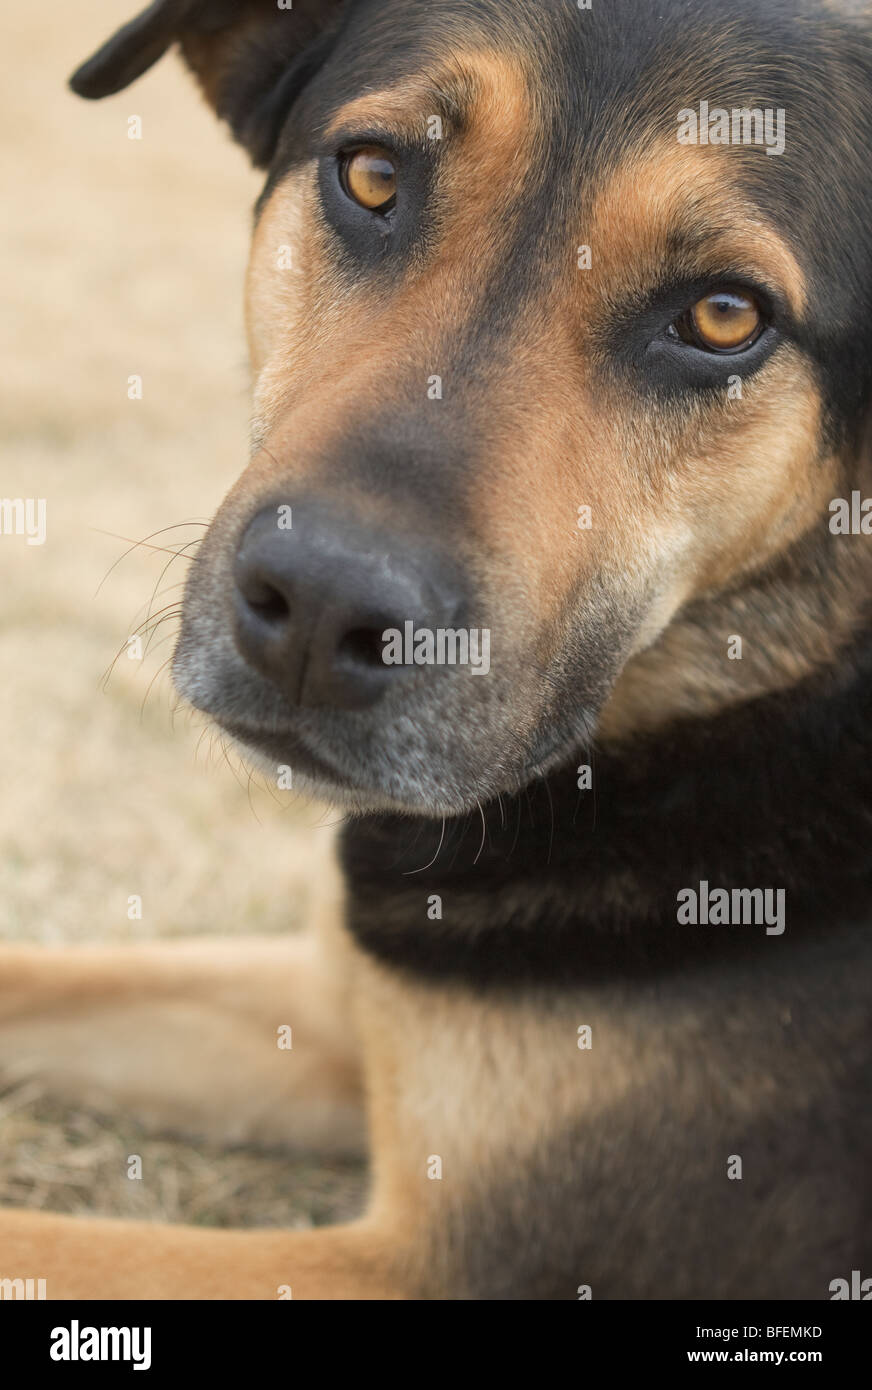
(357, 798)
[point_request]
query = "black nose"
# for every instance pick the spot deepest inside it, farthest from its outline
(313, 601)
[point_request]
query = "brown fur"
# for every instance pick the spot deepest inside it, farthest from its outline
(709, 526)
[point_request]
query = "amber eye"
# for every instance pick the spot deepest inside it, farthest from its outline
(369, 176)
(725, 321)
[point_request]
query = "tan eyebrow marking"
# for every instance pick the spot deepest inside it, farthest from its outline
(493, 129)
(474, 84)
(652, 197)
(403, 107)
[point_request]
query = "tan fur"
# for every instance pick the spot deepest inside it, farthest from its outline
(693, 511)
(713, 503)
(348, 336)
(123, 1260)
(432, 1058)
(693, 189)
(106, 1027)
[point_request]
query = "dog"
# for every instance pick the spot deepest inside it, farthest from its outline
(560, 320)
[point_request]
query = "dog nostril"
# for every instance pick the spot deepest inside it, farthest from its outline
(310, 607)
(362, 646)
(267, 601)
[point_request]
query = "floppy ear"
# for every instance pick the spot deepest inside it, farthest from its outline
(250, 57)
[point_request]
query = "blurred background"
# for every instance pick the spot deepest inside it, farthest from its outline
(126, 257)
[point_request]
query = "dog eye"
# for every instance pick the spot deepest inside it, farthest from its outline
(724, 321)
(369, 177)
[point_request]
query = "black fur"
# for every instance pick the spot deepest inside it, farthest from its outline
(565, 885)
(557, 893)
(764, 1058)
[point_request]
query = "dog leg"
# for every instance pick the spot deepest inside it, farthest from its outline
(186, 1035)
(85, 1259)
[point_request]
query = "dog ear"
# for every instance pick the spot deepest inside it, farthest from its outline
(251, 58)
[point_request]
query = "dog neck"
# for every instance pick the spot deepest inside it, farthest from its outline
(770, 792)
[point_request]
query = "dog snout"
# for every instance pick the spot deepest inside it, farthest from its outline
(314, 598)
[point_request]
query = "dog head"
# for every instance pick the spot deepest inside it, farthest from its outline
(560, 322)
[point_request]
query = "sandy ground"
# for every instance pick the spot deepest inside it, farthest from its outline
(125, 257)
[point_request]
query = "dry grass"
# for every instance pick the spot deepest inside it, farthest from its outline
(77, 1162)
(123, 257)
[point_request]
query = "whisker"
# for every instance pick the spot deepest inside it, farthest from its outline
(483, 831)
(206, 729)
(171, 610)
(517, 829)
(178, 553)
(551, 806)
(424, 867)
(143, 544)
(229, 763)
(157, 673)
(248, 795)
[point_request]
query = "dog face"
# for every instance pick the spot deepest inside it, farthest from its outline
(539, 360)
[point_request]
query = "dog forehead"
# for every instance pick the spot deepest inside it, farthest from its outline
(573, 120)
(603, 83)
(591, 50)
